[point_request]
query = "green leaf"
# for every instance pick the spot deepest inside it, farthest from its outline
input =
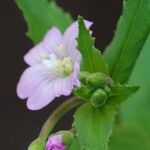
(120, 93)
(75, 145)
(93, 125)
(129, 137)
(137, 109)
(41, 15)
(132, 31)
(92, 60)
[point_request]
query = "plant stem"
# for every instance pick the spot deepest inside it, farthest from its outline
(56, 115)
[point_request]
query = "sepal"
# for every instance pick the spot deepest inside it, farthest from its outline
(38, 144)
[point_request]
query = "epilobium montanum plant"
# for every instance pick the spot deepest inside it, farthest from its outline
(64, 60)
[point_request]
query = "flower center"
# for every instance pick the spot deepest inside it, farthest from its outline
(60, 67)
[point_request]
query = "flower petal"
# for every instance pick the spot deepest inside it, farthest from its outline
(62, 87)
(31, 78)
(70, 42)
(55, 142)
(42, 96)
(52, 39)
(72, 32)
(45, 47)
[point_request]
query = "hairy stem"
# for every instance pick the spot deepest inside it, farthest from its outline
(56, 115)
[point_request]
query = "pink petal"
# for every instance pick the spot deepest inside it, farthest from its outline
(72, 31)
(42, 96)
(55, 143)
(31, 78)
(70, 42)
(62, 87)
(56, 139)
(49, 43)
(47, 91)
(52, 39)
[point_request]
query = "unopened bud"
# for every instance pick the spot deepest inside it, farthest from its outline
(38, 144)
(96, 80)
(82, 76)
(82, 92)
(55, 142)
(67, 137)
(107, 89)
(98, 98)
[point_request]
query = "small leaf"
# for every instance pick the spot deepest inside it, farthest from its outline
(120, 93)
(92, 60)
(41, 15)
(132, 31)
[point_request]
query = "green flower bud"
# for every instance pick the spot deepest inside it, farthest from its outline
(98, 98)
(67, 137)
(38, 144)
(82, 92)
(109, 81)
(96, 80)
(107, 89)
(82, 76)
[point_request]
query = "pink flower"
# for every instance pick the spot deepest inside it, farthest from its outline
(55, 143)
(54, 65)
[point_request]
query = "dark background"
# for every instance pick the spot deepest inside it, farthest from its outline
(18, 125)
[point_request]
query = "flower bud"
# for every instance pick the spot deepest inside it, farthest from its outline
(96, 80)
(82, 76)
(107, 89)
(67, 137)
(98, 98)
(59, 141)
(82, 92)
(38, 144)
(55, 143)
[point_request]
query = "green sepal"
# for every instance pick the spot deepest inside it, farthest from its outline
(67, 137)
(38, 144)
(82, 76)
(107, 89)
(98, 98)
(82, 92)
(119, 93)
